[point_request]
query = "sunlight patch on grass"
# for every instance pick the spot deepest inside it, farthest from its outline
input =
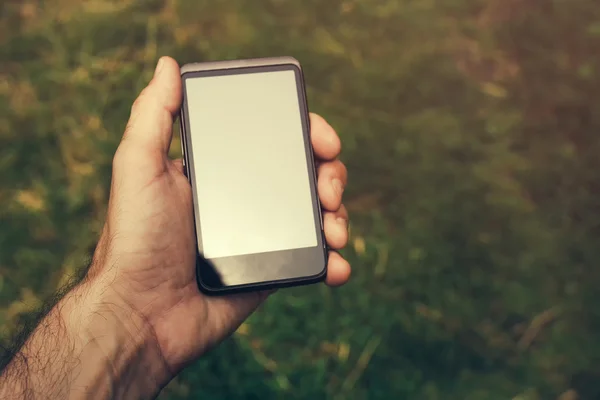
(243, 330)
(23, 97)
(494, 90)
(31, 200)
(360, 247)
(27, 302)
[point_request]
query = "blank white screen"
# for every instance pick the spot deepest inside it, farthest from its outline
(251, 176)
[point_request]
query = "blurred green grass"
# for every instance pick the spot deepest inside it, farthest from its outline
(470, 130)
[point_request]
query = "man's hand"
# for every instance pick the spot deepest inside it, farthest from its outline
(139, 309)
(147, 251)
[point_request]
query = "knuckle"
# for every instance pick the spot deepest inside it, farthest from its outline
(128, 129)
(139, 101)
(342, 169)
(337, 169)
(120, 155)
(134, 112)
(343, 212)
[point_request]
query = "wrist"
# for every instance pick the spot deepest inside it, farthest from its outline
(104, 327)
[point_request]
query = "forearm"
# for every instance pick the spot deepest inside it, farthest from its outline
(88, 346)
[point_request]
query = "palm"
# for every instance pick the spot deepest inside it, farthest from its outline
(166, 290)
(148, 241)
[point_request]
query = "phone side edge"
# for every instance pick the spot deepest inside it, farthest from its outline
(189, 166)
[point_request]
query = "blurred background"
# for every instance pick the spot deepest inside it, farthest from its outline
(471, 133)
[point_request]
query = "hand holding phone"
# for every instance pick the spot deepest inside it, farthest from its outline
(143, 266)
(248, 156)
(138, 301)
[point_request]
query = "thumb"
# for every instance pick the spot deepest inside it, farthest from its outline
(150, 126)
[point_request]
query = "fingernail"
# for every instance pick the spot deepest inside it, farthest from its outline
(159, 66)
(338, 186)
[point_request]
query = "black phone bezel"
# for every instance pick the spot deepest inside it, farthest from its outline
(300, 260)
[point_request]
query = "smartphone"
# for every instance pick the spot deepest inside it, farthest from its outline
(245, 133)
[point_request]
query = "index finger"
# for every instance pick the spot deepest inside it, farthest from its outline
(325, 141)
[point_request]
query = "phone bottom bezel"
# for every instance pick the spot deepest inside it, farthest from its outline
(201, 262)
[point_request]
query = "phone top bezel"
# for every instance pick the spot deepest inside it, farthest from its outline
(312, 261)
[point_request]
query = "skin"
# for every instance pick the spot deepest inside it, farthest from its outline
(138, 317)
